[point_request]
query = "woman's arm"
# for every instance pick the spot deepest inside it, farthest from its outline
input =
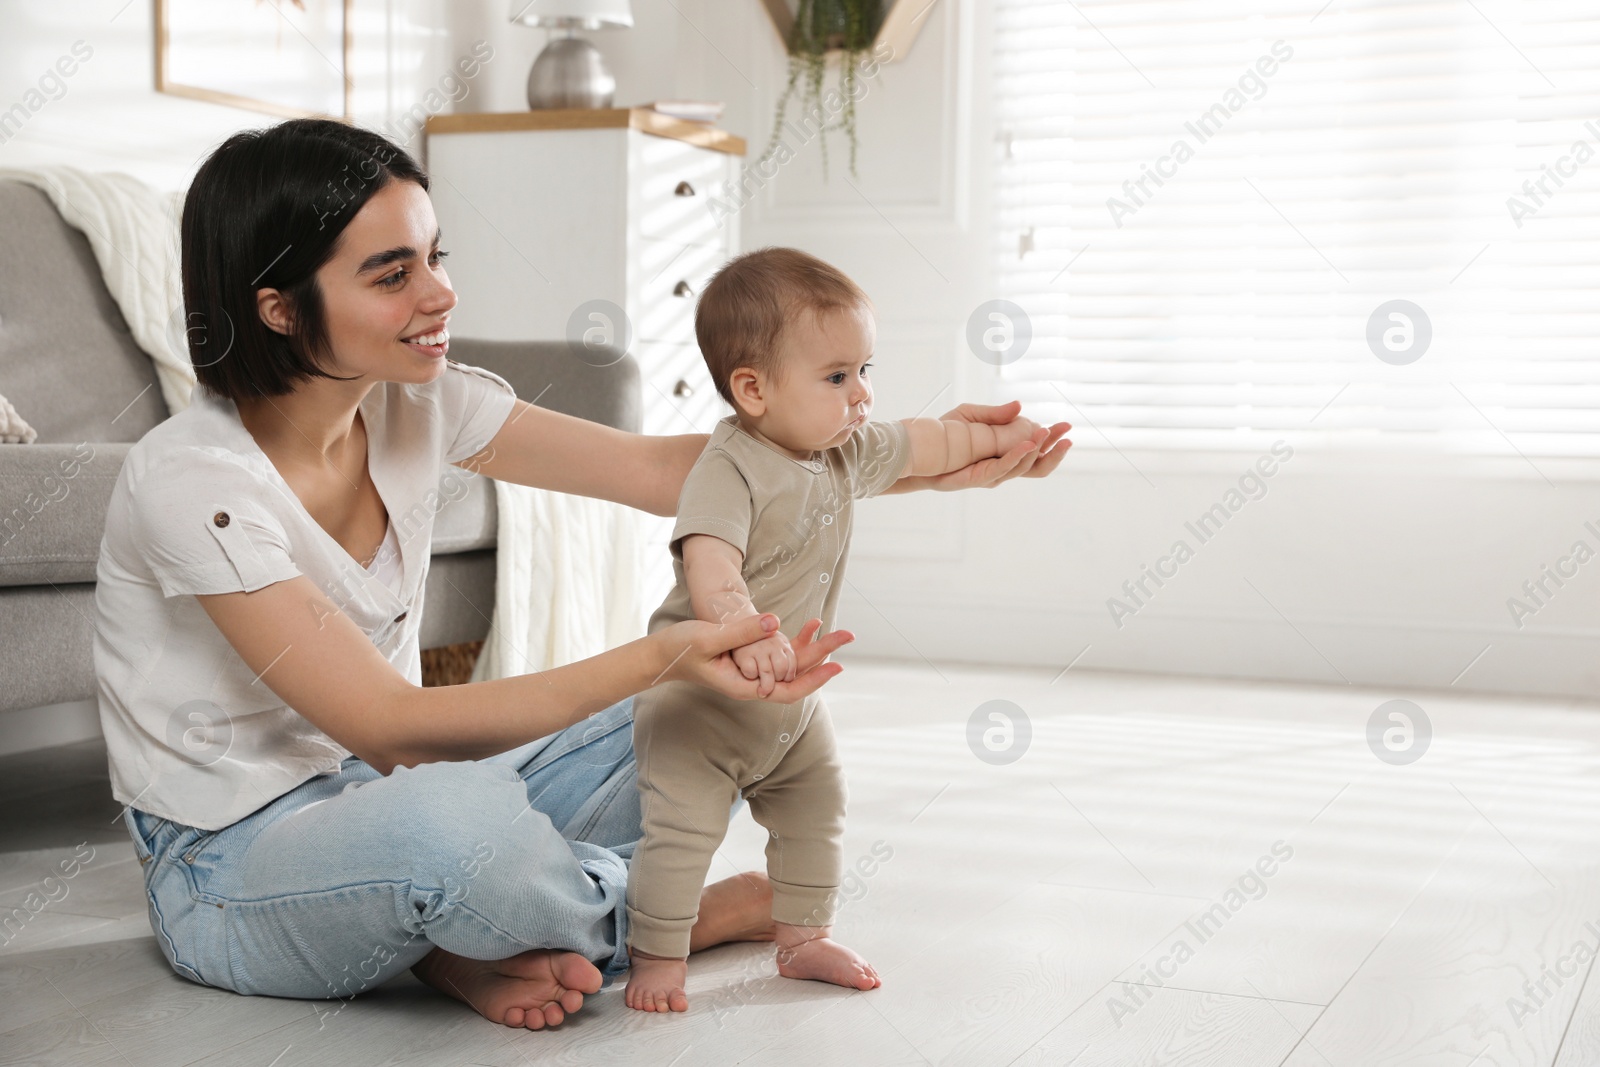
(321, 664)
(550, 450)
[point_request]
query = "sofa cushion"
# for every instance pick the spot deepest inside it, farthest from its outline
(49, 647)
(53, 501)
(67, 360)
(466, 521)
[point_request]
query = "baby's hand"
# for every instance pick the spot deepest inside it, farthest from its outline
(770, 659)
(1009, 435)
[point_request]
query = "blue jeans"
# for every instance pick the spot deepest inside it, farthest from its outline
(353, 877)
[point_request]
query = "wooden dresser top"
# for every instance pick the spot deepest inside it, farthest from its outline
(638, 118)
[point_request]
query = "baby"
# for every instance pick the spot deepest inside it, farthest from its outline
(763, 525)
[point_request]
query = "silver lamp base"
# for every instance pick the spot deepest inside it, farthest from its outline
(570, 72)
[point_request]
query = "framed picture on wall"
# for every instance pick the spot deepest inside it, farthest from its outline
(284, 57)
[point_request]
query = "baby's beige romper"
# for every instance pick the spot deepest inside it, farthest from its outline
(698, 750)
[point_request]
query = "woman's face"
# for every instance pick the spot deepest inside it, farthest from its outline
(385, 287)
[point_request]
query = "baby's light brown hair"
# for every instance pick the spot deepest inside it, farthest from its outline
(748, 303)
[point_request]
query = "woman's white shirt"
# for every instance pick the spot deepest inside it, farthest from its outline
(386, 565)
(191, 733)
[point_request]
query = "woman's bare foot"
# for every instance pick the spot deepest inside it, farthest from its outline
(533, 989)
(734, 909)
(808, 952)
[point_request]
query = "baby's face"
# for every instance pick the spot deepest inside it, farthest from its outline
(823, 393)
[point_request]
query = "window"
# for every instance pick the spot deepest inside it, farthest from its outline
(1207, 212)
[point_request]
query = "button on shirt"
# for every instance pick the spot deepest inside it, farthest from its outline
(791, 518)
(191, 734)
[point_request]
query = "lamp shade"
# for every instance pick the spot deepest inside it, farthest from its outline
(583, 14)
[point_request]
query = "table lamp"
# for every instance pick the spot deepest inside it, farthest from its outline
(570, 72)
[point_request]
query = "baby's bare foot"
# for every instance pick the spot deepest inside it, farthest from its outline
(822, 959)
(535, 989)
(656, 984)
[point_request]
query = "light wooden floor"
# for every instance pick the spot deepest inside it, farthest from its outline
(1018, 907)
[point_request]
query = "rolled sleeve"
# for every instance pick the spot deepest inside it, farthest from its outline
(474, 403)
(877, 455)
(715, 500)
(203, 526)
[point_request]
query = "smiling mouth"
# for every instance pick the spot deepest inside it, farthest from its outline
(432, 343)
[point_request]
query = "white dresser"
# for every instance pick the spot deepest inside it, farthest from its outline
(555, 220)
(546, 214)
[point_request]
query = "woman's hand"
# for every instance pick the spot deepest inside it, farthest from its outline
(1035, 457)
(702, 653)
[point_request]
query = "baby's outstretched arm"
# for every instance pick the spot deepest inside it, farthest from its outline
(939, 446)
(717, 593)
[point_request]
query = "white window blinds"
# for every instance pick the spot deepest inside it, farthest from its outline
(1239, 187)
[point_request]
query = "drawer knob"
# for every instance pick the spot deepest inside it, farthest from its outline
(683, 288)
(683, 189)
(683, 388)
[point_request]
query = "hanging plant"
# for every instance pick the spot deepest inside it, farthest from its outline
(846, 28)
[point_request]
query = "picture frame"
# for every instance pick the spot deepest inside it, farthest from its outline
(289, 58)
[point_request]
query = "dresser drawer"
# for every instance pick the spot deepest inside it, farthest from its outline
(678, 394)
(676, 185)
(669, 278)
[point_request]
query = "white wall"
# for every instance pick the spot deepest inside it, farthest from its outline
(111, 118)
(1359, 570)
(1369, 572)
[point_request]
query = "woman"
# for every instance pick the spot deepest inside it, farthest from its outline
(310, 820)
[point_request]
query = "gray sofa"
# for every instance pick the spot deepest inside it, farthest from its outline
(73, 371)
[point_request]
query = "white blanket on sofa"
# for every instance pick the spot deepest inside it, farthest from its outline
(568, 577)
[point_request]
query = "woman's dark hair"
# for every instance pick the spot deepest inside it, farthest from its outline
(266, 210)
